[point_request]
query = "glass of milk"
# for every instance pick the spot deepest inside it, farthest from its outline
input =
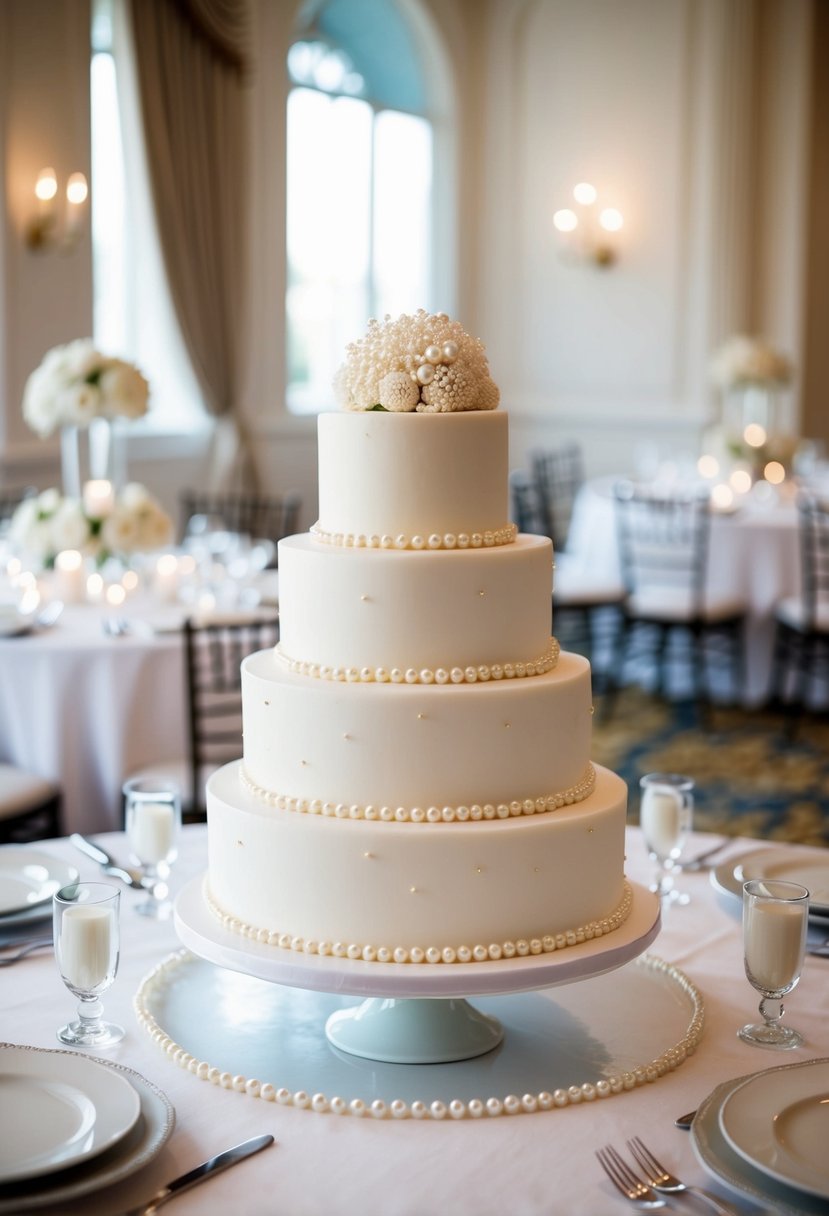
(775, 919)
(666, 810)
(152, 810)
(86, 951)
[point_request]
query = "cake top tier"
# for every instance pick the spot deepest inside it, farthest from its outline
(425, 363)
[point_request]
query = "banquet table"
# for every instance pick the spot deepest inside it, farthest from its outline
(753, 555)
(86, 709)
(526, 1164)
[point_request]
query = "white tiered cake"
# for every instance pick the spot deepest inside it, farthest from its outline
(416, 784)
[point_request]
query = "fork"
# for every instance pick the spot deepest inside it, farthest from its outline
(623, 1178)
(6, 960)
(663, 1181)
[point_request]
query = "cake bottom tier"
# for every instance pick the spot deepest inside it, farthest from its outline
(404, 892)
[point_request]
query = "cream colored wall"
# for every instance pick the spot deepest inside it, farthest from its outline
(692, 116)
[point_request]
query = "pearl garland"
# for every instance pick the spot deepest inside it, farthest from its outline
(426, 955)
(435, 540)
(474, 813)
(475, 1108)
(426, 675)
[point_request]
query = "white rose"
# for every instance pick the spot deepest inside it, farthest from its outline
(81, 359)
(39, 402)
(79, 404)
(70, 527)
(155, 527)
(48, 501)
(124, 390)
(119, 533)
(134, 496)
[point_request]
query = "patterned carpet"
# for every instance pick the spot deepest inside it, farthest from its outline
(750, 780)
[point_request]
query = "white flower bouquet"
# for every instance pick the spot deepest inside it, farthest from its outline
(425, 363)
(744, 362)
(76, 383)
(46, 524)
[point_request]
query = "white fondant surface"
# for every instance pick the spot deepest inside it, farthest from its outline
(348, 607)
(416, 745)
(422, 885)
(413, 474)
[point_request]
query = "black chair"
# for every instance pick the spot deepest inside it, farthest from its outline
(260, 517)
(585, 605)
(30, 806)
(213, 654)
(801, 645)
(663, 549)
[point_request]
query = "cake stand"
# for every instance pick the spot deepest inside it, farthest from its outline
(413, 1013)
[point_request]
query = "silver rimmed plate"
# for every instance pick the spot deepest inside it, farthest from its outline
(728, 1167)
(133, 1152)
(28, 879)
(778, 1121)
(58, 1110)
(809, 867)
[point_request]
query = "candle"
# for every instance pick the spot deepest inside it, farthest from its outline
(98, 499)
(166, 577)
(151, 831)
(86, 945)
(775, 936)
(660, 817)
(71, 580)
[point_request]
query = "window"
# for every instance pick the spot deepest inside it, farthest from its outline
(359, 187)
(133, 315)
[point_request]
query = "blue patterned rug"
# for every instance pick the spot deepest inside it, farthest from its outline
(750, 780)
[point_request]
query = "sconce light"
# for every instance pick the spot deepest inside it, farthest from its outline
(588, 236)
(49, 229)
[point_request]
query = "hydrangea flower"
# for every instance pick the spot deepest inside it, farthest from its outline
(425, 363)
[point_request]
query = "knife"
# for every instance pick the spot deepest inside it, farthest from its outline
(214, 1165)
(131, 877)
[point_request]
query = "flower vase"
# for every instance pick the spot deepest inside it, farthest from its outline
(94, 452)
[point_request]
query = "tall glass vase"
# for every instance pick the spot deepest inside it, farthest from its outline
(92, 452)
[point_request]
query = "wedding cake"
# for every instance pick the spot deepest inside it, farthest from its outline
(416, 784)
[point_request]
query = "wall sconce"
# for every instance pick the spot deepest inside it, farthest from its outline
(49, 229)
(588, 236)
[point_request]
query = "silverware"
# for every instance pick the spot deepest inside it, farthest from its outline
(684, 1121)
(208, 1169)
(664, 1182)
(108, 864)
(22, 949)
(700, 861)
(623, 1178)
(48, 615)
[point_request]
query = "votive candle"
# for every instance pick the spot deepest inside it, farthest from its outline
(152, 831)
(86, 945)
(775, 937)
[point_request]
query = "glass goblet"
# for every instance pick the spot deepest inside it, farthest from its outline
(775, 919)
(86, 951)
(153, 819)
(665, 814)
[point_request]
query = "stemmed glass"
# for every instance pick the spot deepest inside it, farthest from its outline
(86, 950)
(153, 819)
(665, 814)
(775, 919)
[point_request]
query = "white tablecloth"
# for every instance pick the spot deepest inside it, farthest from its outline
(86, 709)
(754, 555)
(325, 1165)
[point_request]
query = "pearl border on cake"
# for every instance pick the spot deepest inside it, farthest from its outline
(436, 540)
(431, 815)
(475, 1108)
(431, 955)
(426, 675)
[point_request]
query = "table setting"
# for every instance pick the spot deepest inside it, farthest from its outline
(755, 1116)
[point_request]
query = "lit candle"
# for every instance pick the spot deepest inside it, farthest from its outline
(660, 819)
(86, 945)
(775, 936)
(70, 576)
(152, 830)
(166, 577)
(98, 499)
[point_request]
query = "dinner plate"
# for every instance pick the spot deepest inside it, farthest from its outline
(720, 1160)
(58, 1110)
(809, 867)
(29, 878)
(133, 1152)
(778, 1121)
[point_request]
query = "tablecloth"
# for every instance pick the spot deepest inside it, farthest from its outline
(525, 1165)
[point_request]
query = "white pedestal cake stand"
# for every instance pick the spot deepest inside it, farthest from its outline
(414, 1013)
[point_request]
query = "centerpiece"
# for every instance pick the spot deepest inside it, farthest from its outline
(82, 391)
(752, 376)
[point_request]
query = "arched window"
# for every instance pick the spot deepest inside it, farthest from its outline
(359, 184)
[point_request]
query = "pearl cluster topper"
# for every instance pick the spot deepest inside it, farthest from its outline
(425, 363)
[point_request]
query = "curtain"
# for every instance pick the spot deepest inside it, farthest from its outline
(191, 62)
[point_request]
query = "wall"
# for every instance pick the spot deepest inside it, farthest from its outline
(692, 116)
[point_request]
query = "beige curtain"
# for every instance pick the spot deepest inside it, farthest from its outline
(191, 62)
